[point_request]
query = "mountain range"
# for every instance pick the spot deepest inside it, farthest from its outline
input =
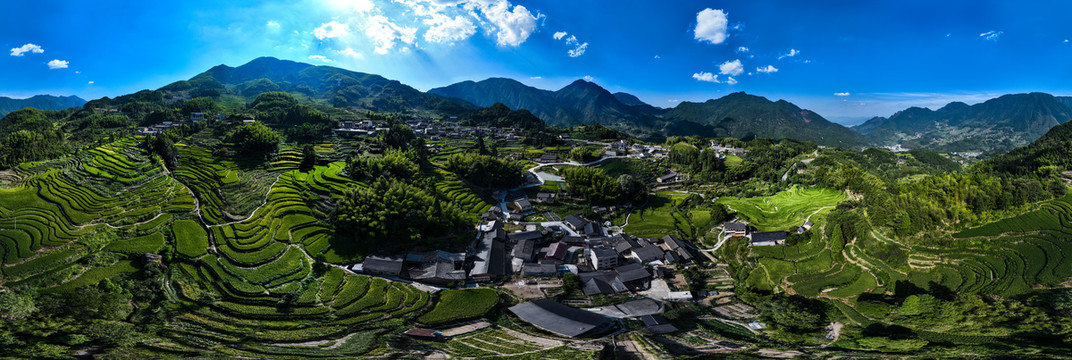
(581, 102)
(994, 126)
(335, 86)
(40, 102)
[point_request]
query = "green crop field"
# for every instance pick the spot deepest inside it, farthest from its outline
(455, 305)
(786, 210)
(660, 217)
(193, 240)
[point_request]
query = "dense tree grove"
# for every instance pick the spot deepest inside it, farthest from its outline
(485, 170)
(392, 214)
(499, 115)
(593, 185)
(584, 155)
(598, 132)
(255, 139)
(795, 314)
(937, 201)
(394, 164)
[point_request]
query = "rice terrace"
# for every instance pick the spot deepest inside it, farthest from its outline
(788, 209)
(525, 180)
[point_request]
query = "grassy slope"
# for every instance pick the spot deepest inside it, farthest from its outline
(786, 210)
(660, 217)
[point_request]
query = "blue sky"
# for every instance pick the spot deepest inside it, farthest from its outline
(844, 59)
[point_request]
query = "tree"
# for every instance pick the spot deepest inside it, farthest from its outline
(917, 304)
(17, 305)
(255, 139)
(308, 158)
(393, 214)
(571, 282)
(485, 170)
(480, 147)
(394, 164)
(795, 314)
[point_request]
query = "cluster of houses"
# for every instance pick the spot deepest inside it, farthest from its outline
(195, 117)
(763, 238)
(606, 264)
(431, 130)
(725, 150)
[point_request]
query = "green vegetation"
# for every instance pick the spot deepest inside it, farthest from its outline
(674, 213)
(910, 252)
(786, 210)
(593, 185)
(194, 238)
(456, 305)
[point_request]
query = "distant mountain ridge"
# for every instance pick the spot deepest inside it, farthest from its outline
(40, 102)
(743, 116)
(580, 102)
(339, 87)
(996, 125)
(583, 102)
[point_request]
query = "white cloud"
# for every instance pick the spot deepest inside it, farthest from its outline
(559, 35)
(580, 47)
(91, 82)
(791, 53)
(350, 52)
(706, 76)
(673, 100)
(331, 29)
(58, 64)
(320, 57)
(77, 72)
(385, 34)
(742, 49)
(535, 77)
(28, 48)
(511, 26)
(731, 68)
(272, 24)
(842, 93)
(361, 6)
(730, 80)
(769, 69)
(589, 78)
(658, 57)
(445, 29)
(579, 50)
(711, 26)
(991, 35)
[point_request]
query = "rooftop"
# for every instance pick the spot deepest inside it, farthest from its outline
(769, 236)
(561, 319)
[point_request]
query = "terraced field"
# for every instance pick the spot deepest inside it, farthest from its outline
(992, 259)
(509, 344)
(253, 284)
(786, 210)
(451, 186)
(50, 215)
(660, 217)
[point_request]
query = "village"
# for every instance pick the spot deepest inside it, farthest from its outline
(543, 251)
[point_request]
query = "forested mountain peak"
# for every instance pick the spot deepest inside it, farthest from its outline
(993, 126)
(41, 102)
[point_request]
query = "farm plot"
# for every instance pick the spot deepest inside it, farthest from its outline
(455, 305)
(499, 344)
(60, 201)
(786, 210)
(660, 217)
(464, 197)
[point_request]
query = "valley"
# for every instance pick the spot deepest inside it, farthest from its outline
(212, 218)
